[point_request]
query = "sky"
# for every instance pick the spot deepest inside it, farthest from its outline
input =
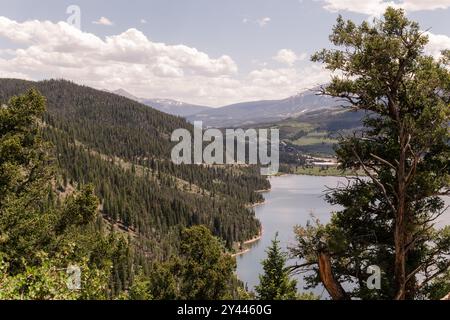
(206, 52)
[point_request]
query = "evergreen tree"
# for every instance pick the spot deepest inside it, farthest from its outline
(140, 290)
(275, 283)
(40, 236)
(24, 180)
(57, 159)
(388, 217)
(206, 270)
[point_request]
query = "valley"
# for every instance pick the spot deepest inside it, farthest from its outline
(122, 148)
(224, 155)
(309, 124)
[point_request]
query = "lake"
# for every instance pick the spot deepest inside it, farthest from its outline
(291, 201)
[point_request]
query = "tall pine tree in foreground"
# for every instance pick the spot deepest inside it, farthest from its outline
(388, 217)
(202, 271)
(275, 283)
(39, 236)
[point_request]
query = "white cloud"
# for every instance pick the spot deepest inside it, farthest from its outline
(377, 7)
(437, 43)
(289, 57)
(259, 63)
(61, 42)
(419, 5)
(129, 60)
(288, 79)
(263, 21)
(103, 21)
(143, 21)
(14, 75)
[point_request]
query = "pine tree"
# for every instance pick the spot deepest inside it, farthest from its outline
(206, 269)
(87, 151)
(140, 290)
(40, 236)
(388, 216)
(24, 180)
(275, 283)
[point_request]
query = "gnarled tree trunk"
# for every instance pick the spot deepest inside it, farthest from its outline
(400, 222)
(333, 287)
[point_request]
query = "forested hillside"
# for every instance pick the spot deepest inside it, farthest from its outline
(122, 148)
(107, 122)
(316, 132)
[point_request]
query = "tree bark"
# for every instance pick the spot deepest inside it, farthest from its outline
(399, 232)
(333, 287)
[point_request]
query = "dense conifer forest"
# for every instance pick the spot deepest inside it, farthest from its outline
(122, 150)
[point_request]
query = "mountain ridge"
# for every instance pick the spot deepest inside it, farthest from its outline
(169, 106)
(263, 111)
(242, 113)
(123, 148)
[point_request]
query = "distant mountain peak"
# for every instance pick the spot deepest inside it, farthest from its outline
(174, 107)
(264, 111)
(170, 106)
(244, 113)
(314, 90)
(126, 94)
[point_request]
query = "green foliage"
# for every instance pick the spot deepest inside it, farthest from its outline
(202, 271)
(48, 280)
(122, 148)
(307, 296)
(205, 269)
(164, 281)
(275, 283)
(152, 204)
(43, 282)
(438, 288)
(23, 180)
(40, 233)
(79, 209)
(387, 218)
(106, 193)
(140, 288)
(140, 194)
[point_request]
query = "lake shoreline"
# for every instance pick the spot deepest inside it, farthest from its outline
(260, 234)
(247, 242)
(320, 175)
(260, 203)
(289, 202)
(256, 204)
(319, 172)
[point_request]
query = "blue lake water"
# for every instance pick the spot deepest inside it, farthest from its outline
(291, 202)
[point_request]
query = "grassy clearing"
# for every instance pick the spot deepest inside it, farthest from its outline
(320, 171)
(315, 138)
